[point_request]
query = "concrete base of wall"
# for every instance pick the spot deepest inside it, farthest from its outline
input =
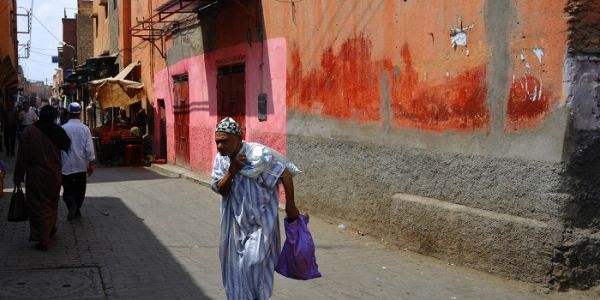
(504, 216)
(498, 243)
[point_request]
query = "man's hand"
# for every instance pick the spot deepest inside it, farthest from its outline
(292, 212)
(90, 168)
(237, 163)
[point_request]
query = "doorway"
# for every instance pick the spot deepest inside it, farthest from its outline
(162, 118)
(181, 110)
(231, 91)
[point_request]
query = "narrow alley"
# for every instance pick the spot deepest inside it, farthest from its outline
(144, 235)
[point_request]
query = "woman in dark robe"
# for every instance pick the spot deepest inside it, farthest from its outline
(39, 165)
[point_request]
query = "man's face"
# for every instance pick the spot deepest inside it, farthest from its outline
(227, 143)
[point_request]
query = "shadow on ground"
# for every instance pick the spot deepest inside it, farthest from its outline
(109, 252)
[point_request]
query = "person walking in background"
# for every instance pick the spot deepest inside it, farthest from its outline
(39, 165)
(9, 128)
(26, 117)
(250, 242)
(29, 115)
(78, 161)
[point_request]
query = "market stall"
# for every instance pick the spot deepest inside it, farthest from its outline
(117, 140)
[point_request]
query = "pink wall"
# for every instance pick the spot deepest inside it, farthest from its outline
(202, 73)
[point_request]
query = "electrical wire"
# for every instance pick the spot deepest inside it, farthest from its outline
(41, 53)
(52, 34)
(44, 49)
(37, 61)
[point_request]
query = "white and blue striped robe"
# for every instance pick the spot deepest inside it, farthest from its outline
(250, 243)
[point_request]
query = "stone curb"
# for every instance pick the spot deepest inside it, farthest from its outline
(189, 175)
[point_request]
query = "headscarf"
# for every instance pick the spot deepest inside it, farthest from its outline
(55, 133)
(229, 125)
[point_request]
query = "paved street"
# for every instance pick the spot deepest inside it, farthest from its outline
(144, 235)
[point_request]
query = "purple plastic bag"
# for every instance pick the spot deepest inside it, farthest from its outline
(297, 259)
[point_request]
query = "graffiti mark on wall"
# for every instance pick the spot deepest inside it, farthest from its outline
(529, 101)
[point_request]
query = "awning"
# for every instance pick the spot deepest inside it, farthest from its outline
(127, 70)
(112, 92)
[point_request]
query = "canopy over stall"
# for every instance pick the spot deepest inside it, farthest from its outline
(114, 95)
(117, 91)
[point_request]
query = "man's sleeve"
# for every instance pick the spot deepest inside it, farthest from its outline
(218, 172)
(89, 146)
(270, 176)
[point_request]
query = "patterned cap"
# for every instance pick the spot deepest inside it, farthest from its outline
(229, 125)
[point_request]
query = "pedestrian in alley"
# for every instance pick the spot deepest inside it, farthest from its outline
(9, 128)
(27, 117)
(250, 243)
(39, 165)
(78, 161)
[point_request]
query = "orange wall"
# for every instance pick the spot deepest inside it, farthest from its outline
(7, 31)
(350, 58)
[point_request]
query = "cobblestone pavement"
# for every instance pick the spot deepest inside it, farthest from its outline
(144, 235)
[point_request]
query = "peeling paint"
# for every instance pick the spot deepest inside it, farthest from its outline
(539, 52)
(458, 36)
(529, 101)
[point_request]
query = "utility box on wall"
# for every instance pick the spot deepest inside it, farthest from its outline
(262, 107)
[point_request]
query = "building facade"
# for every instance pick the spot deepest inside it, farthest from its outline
(85, 30)
(465, 130)
(9, 71)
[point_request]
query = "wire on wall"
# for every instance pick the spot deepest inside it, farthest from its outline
(293, 2)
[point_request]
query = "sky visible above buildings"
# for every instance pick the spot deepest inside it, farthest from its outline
(45, 36)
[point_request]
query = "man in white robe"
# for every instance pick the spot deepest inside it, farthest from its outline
(250, 241)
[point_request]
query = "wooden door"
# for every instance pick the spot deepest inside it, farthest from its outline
(181, 110)
(231, 91)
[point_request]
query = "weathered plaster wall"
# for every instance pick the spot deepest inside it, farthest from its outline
(380, 72)
(381, 107)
